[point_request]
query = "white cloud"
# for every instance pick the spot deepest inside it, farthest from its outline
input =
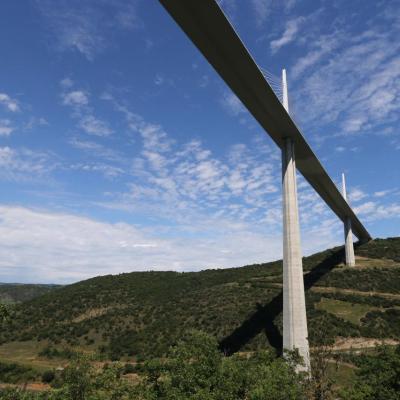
(289, 4)
(373, 211)
(153, 135)
(229, 7)
(204, 81)
(24, 164)
(158, 80)
(97, 150)
(9, 103)
(261, 10)
(206, 211)
(356, 195)
(232, 104)
(95, 126)
(366, 208)
(387, 211)
(42, 246)
(51, 247)
(79, 101)
(6, 155)
(185, 183)
(88, 27)
(66, 83)
(198, 182)
(35, 121)
(63, 247)
(109, 171)
(75, 98)
(354, 123)
(320, 48)
(6, 127)
(357, 81)
(289, 34)
(383, 193)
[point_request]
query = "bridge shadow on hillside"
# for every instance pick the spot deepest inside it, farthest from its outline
(264, 318)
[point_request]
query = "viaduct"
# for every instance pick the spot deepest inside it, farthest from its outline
(207, 27)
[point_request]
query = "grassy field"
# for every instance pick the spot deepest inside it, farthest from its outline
(345, 310)
(343, 375)
(26, 353)
(365, 262)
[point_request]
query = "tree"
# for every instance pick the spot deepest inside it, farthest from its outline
(48, 376)
(4, 312)
(319, 385)
(196, 370)
(78, 379)
(378, 377)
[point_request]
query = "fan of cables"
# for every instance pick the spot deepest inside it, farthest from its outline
(273, 81)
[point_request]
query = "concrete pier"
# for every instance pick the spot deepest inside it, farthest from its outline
(348, 233)
(295, 333)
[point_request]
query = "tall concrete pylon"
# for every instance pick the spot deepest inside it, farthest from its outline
(348, 233)
(295, 333)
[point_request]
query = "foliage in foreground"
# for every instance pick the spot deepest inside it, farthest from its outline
(378, 377)
(197, 370)
(194, 370)
(15, 373)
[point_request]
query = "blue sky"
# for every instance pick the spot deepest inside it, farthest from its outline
(121, 149)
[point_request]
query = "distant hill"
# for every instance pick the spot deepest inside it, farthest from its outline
(142, 313)
(17, 292)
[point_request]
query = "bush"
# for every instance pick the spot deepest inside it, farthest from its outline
(52, 352)
(196, 369)
(48, 376)
(378, 377)
(15, 373)
(129, 369)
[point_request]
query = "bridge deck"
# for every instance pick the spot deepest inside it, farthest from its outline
(206, 25)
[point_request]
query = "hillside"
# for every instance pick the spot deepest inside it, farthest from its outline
(141, 314)
(17, 292)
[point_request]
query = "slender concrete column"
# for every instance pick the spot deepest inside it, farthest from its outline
(348, 233)
(295, 334)
(285, 97)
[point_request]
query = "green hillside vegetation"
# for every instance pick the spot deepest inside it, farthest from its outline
(140, 315)
(351, 312)
(195, 369)
(16, 293)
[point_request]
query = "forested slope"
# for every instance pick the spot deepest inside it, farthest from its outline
(16, 292)
(142, 313)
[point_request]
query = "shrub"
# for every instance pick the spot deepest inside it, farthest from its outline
(48, 376)
(129, 368)
(15, 373)
(378, 377)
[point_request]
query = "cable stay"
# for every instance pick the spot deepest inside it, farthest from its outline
(273, 81)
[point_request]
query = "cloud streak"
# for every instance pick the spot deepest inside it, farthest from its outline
(78, 100)
(352, 80)
(289, 35)
(86, 26)
(9, 103)
(95, 126)
(21, 165)
(6, 127)
(41, 246)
